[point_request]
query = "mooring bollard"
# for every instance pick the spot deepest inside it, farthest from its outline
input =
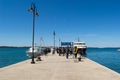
(79, 58)
(39, 57)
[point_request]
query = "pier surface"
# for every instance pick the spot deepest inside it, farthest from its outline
(54, 67)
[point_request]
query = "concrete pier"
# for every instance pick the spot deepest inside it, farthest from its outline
(54, 67)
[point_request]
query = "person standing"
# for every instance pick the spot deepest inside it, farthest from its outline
(45, 51)
(67, 53)
(75, 51)
(60, 51)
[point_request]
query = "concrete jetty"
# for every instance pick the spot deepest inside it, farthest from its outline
(54, 67)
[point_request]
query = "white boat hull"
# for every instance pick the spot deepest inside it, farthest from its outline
(118, 50)
(30, 53)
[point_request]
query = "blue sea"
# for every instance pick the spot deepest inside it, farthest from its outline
(10, 56)
(108, 57)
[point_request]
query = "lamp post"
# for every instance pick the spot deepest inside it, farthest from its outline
(59, 42)
(54, 42)
(33, 10)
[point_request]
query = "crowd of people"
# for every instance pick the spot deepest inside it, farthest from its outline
(66, 51)
(62, 51)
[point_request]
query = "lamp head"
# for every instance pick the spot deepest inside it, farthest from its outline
(31, 9)
(36, 14)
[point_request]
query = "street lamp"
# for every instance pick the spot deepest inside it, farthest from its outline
(33, 10)
(59, 42)
(54, 42)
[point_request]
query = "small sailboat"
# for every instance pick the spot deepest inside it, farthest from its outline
(37, 50)
(118, 50)
(30, 53)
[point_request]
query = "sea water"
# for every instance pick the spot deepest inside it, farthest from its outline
(10, 56)
(108, 57)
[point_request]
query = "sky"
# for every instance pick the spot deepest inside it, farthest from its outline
(96, 22)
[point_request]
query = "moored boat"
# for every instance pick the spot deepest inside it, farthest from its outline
(118, 49)
(81, 47)
(36, 51)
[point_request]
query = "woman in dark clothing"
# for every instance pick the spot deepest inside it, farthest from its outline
(67, 53)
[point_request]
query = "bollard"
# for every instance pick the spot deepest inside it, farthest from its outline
(39, 57)
(79, 58)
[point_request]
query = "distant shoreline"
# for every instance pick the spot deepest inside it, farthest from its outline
(103, 47)
(30, 46)
(14, 47)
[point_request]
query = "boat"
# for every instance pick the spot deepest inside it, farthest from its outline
(81, 47)
(36, 52)
(118, 50)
